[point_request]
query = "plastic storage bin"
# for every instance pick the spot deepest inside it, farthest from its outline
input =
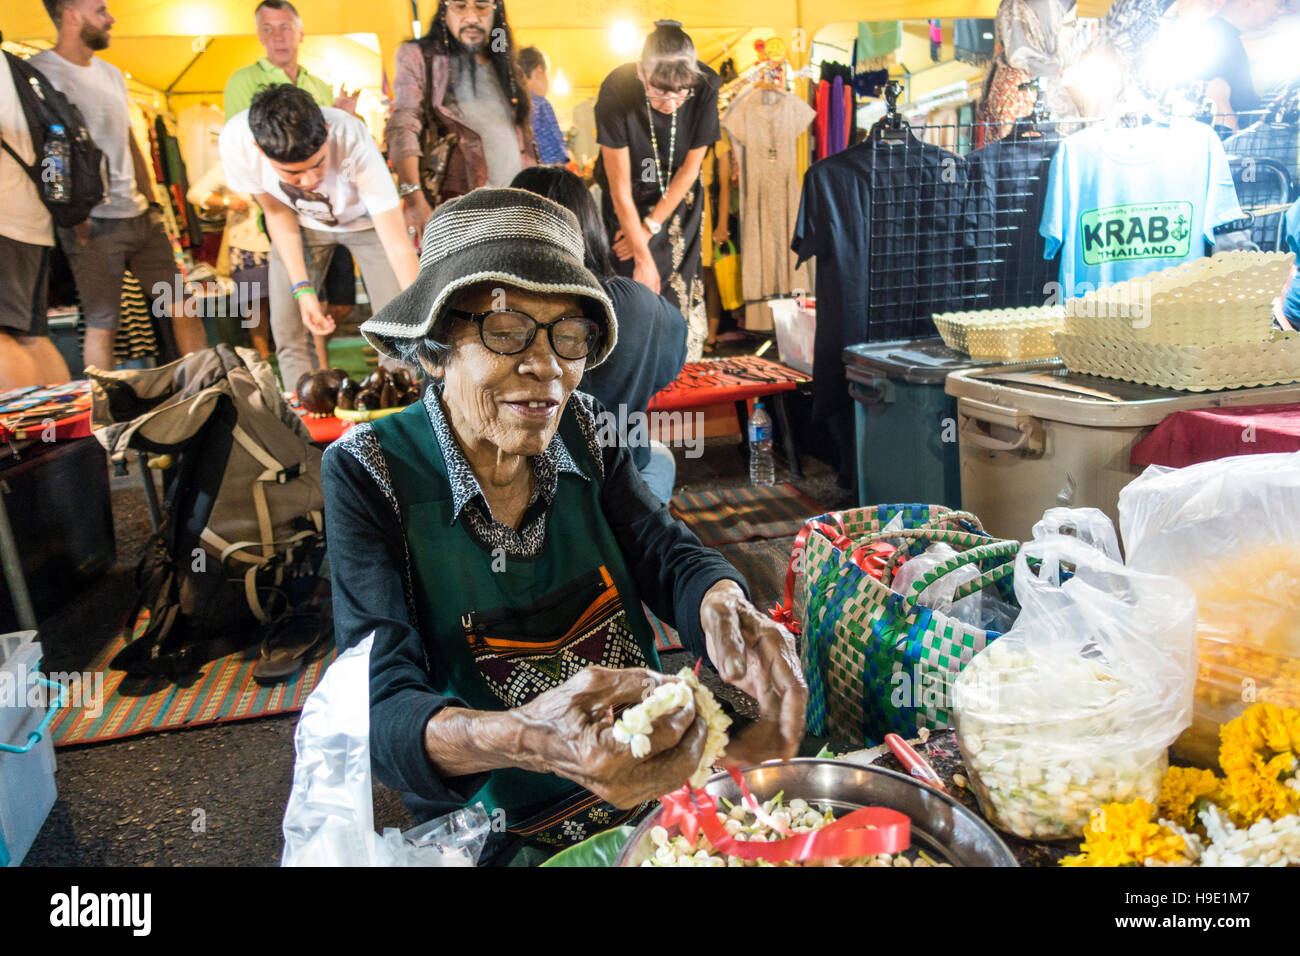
(27, 776)
(1036, 436)
(795, 321)
(57, 496)
(906, 425)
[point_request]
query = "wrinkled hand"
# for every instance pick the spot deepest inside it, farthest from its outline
(416, 211)
(313, 316)
(757, 655)
(569, 731)
(347, 101)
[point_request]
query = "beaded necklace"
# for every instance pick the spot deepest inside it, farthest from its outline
(660, 178)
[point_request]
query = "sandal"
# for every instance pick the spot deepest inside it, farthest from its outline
(292, 641)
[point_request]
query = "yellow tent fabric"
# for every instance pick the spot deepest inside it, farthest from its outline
(186, 48)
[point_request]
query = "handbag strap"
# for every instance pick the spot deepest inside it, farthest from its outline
(1006, 550)
(833, 528)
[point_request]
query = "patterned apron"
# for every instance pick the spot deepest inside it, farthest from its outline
(499, 631)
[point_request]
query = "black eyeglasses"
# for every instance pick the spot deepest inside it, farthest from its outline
(509, 332)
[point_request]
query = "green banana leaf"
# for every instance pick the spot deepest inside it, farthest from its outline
(600, 850)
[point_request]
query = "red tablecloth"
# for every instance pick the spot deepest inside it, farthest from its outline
(1207, 434)
(27, 412)
(717, 381)
(323, 430)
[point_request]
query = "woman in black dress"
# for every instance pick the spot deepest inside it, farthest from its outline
(655, 120)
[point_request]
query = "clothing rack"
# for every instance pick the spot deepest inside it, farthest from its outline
(964, 237)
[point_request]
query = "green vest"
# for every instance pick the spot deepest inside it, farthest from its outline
(500, 630)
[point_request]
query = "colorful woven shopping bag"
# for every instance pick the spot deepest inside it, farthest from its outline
(878, 662)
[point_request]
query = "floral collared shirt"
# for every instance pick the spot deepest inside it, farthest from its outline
(468, 500)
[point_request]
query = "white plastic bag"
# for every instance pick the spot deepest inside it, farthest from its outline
(1089, 525)
(983, 609)
(329, 819)
(1229, 529)
(1076, 704)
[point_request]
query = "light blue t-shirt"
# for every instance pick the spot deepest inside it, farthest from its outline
(1124, 202)
(1292, 306)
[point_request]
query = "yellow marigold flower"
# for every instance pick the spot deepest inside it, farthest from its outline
(1259, 752)
(1122, 834)
(1179, 792)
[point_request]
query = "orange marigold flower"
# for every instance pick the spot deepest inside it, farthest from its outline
(1180, 791)
(1122, 834)
(1260, 754)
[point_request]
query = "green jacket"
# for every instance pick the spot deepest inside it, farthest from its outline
(244, 84)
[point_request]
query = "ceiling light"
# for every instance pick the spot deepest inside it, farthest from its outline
(624, 38)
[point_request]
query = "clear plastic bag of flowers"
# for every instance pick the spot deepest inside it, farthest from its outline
(1077, 704)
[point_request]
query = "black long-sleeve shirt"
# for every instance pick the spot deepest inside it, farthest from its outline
(370, 582)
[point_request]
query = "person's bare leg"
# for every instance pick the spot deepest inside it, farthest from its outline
(45, 356)
(97, 350)
(17, 369)
(260, 330)
(322, 345)
(339, 313)
(713, 303)
(188, 329)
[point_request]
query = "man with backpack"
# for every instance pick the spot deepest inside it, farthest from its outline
(125, 230)
(27, 356)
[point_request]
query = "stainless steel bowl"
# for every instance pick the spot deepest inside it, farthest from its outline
(940, 825)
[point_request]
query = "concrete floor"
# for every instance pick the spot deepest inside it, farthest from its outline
(215, 795)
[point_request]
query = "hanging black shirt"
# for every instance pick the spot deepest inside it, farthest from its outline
(887, 223)
(1008, 187)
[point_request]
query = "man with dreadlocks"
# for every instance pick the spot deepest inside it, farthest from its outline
(461, 78)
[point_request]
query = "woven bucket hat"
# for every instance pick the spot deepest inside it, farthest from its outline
(511, 236)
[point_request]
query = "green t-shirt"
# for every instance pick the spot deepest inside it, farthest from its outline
(244, 84)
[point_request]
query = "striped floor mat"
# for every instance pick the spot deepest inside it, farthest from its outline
(752, 527)
(224, 690)
(746, 513)
(763, 564)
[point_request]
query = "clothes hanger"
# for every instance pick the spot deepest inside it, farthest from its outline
(891, 128)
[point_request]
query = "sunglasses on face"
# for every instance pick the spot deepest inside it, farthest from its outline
(509, 332)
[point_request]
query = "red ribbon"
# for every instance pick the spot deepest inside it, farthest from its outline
(783, 613)
(865, 832)
(871, 558)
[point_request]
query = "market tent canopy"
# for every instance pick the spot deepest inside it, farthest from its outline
(189, 46)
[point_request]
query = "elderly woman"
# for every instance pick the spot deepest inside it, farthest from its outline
(499, 554)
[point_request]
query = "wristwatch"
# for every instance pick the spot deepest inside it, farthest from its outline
(651, 226)
(406, 189)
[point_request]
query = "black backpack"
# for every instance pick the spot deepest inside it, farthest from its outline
(242, 538)
(44, 106)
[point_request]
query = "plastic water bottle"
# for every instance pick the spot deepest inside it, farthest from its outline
(762, 469)
(55, 172)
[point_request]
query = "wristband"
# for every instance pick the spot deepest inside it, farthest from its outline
(301, 289)
(407, 189)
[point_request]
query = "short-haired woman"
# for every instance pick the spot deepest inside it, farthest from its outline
(655, 120)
